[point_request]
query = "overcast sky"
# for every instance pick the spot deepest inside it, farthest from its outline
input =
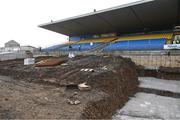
(19, 19)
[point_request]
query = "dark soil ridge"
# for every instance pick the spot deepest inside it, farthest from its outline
(160, 92)
(162, 72)
(119, 81)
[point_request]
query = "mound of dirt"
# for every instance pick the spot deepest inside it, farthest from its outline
(112, 80)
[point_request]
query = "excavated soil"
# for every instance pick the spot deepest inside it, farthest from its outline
(37, 93)
(160, 92)
(168, 73)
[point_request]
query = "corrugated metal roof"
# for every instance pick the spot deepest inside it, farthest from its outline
(146, 15)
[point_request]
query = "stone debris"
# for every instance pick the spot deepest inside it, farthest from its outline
(64, 64)
(75, 93)
(71, 55)
(73, 100)
(87, 70)
(84, 87)
(29, 61)
(105, 68)
(50, 80)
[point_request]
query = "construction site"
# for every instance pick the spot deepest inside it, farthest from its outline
(119, 63)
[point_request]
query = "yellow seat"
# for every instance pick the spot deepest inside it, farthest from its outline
(96, 40)
(167, 36)
(142, 37)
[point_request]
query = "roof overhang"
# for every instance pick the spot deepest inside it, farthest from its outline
(146, 15)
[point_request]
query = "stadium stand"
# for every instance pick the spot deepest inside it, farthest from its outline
(142, 25)
(140, 42)
(128, 42)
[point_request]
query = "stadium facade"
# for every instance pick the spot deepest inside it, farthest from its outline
(143, 25)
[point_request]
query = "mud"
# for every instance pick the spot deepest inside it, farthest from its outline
(113, 81)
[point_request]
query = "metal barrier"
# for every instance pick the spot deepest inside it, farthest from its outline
(166, 58)
(12, 56)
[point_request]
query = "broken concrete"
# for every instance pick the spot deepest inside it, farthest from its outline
(84, 87)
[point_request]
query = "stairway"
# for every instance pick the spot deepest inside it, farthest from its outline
(100, 47)
(56, 49)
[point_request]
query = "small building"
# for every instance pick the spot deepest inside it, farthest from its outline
(12, 43)
(29, 48)
(11, 46)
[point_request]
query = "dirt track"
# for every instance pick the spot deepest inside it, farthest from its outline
(43, 92)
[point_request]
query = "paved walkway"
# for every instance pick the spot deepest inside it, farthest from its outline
(145, 106)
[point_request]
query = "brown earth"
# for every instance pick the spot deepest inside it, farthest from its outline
(39, 93)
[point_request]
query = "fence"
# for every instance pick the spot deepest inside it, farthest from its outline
(12, 56)
(145, 58)
(157, 61)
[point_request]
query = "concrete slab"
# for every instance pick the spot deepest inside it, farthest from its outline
(124, 117)
(151, 68)
(149, 106)
(160, 84)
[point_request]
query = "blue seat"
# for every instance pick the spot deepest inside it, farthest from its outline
(148, 44)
